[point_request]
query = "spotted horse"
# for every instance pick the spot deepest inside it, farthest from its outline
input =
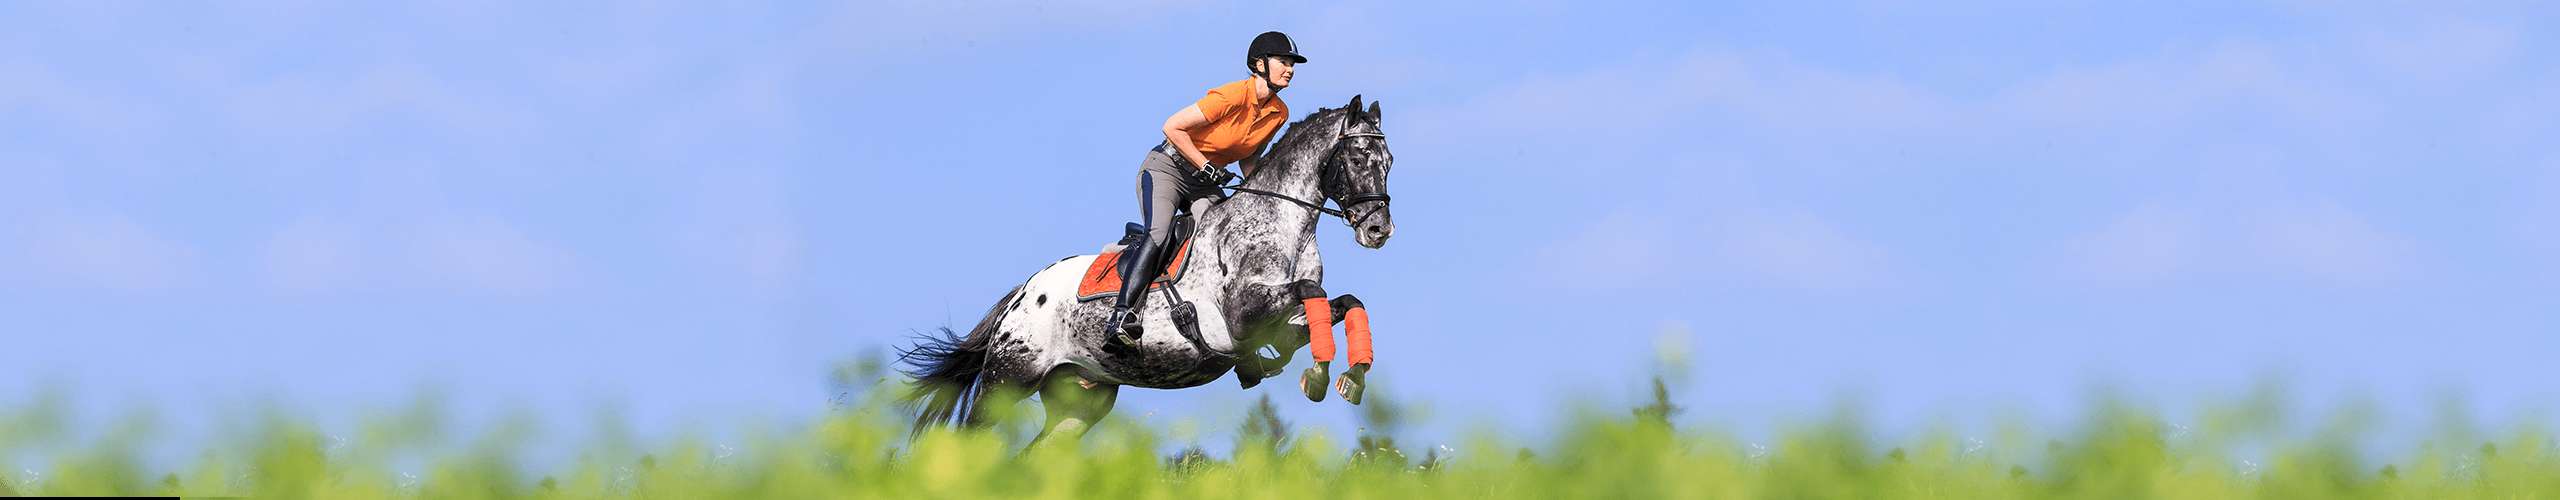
(1247, 295)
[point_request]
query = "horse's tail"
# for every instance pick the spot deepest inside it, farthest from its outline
(946, 369)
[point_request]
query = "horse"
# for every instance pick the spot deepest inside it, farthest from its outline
(1253, 277)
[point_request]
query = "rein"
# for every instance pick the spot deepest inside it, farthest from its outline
(1348, 200)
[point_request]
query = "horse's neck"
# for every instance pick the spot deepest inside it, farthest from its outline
(1296, 181)
(1261, 222)
(1295, 169)
(1253, 220)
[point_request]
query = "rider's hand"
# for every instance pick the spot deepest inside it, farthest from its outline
(1211, 176)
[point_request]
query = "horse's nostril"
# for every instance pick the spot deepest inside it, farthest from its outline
(1375, 231)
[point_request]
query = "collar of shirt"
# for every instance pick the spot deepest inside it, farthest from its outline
(1263, 105)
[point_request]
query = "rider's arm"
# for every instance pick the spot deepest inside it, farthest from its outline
(1177, 129)
(1256, 157)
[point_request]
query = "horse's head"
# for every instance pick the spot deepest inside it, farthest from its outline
(1355, 175)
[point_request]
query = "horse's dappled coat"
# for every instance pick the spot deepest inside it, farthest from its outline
(1244, 261)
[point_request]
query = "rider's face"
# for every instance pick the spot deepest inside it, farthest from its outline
(1280, 69)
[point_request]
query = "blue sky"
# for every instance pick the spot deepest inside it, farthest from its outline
(1942, 211)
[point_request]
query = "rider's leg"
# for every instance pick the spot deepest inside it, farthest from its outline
(1201, 204)
(1160, 191)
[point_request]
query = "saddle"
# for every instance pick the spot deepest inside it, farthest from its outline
(1102, 279)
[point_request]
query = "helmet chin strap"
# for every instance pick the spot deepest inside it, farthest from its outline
(1264, 73)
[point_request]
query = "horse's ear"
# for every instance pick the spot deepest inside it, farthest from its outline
(1355, 103)
(1373, 113)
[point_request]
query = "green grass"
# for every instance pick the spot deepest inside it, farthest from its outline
(2116, 452)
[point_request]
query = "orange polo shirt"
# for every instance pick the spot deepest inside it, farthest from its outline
(1236, 123)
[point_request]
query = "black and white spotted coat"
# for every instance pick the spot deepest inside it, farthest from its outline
(1246, 254)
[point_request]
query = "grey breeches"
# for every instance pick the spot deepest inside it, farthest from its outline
(1164, 185)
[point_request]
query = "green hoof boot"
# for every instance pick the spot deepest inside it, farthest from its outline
(1353, 383)
(1312, 382)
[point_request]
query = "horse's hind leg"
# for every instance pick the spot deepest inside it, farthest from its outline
(996, 403)
(1073, 403)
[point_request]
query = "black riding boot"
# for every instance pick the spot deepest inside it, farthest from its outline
(1136, 272)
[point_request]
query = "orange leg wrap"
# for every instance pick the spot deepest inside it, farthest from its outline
(1320, 328)
(1355, 328)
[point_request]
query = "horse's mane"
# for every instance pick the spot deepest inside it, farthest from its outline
(1297, 140)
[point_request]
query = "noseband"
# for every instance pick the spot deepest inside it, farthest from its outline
(1329, 180)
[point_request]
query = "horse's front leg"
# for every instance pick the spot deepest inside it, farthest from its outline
(1355, 329)
(1252, 309)
(1322, 314)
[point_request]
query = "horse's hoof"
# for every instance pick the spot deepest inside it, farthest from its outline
(1353, 383)
(1312, 382)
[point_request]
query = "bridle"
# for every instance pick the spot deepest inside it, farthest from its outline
(1327, 180)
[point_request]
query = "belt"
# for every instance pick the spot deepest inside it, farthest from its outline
(1169, 151)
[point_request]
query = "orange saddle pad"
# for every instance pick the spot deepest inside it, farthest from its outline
(1102, 279)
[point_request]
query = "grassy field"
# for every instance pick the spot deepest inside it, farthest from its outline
(863, 450)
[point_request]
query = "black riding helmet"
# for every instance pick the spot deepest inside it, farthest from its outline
(1272, 43)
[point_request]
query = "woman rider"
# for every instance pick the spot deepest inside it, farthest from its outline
(1229, 125)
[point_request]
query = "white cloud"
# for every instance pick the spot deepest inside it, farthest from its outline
(739, 223)
(2324, 241)
(1621, 250)
(1638, 248)
(2314, 240)
(487, 255)
(2294, 106)
(1634, 103)
(2154, 107)
(2538, 222)
(2325, 94)
(2152, 243)
(1795, 250)
(2440, 51)
(323, 107)
(312, 255)
(470, 255)
(109, 252)
(906, 27)
(36, 93)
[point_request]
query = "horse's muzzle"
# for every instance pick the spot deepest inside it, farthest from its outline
(1373, 230)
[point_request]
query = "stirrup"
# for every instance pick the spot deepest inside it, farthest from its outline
(1121, 330)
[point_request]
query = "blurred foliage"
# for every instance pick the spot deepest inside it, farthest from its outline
(1263, 429)
(862, 449)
